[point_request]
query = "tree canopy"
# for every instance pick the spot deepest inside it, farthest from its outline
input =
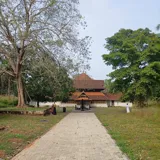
(34, 28)
(42, 84)
(135, 58)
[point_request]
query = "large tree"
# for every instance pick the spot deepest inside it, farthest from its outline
(31, 27)
(135, 58)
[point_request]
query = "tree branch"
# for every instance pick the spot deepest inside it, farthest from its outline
(7, 72)
(9, 58)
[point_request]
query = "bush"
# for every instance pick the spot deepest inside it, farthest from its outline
(8, 101)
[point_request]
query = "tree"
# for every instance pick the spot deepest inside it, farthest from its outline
(41, 85)
(156, 93)
(46, 80)
(135, 58)
(37, 86)
(109, 86)
(65, 86)
(7, 83)
(32, 27)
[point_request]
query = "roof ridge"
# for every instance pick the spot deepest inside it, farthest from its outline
(83, 76)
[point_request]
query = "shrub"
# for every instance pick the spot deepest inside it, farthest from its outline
(8, 101)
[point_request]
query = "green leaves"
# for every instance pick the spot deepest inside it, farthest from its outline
(52, 2)
(135, 58)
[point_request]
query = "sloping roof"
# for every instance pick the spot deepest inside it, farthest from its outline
(96, 95)
(90, 95)
(83, 81)
(83, 76)
(84, 98)
(88, 84)
(75, 95)
(113, 96)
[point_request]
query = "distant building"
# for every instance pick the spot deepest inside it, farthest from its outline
(89, 92)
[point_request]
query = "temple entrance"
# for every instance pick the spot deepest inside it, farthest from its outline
(112, 103)
(82, 100)
(82, 105)
(85, 105)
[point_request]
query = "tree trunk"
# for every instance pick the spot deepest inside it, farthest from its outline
(37, 101)
(21, 102)
(9, 85)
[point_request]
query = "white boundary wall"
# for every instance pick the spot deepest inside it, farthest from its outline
(92, 105)
(42, 104)
(99, 105)
(122, 104)
(60, 104)
(67, 105)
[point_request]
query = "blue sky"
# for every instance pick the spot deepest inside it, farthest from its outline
(106, 17)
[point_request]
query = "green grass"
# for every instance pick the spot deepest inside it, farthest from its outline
(137, 133)
(23, 129)
(23, 109)
(7, 101)
(59, 109)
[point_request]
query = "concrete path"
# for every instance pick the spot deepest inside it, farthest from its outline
(79, 136)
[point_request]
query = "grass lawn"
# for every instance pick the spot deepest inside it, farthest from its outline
(23, 129)
(33, 109)
(23, 109)
(137, 133)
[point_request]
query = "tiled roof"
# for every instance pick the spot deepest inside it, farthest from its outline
(113, 96)
(83, 81)
(90, 95)
(75, 95)
(83, 76)
(96, 95)
(89, 84)
(84, 98)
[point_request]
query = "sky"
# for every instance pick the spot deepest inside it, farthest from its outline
(106, 17)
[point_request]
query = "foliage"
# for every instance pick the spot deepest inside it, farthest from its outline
(156, 93)
(135, 58)
(30, 29)
(109, 86)
(65, 86)
(8, 101)
(7, 85)
(47, 81)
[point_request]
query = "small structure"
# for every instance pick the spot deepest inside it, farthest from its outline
(114, 99)
(89, 99)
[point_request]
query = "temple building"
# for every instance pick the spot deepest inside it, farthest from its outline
(88, 92)
(92, 93)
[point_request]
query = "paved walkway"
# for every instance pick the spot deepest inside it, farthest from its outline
(79, 136)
